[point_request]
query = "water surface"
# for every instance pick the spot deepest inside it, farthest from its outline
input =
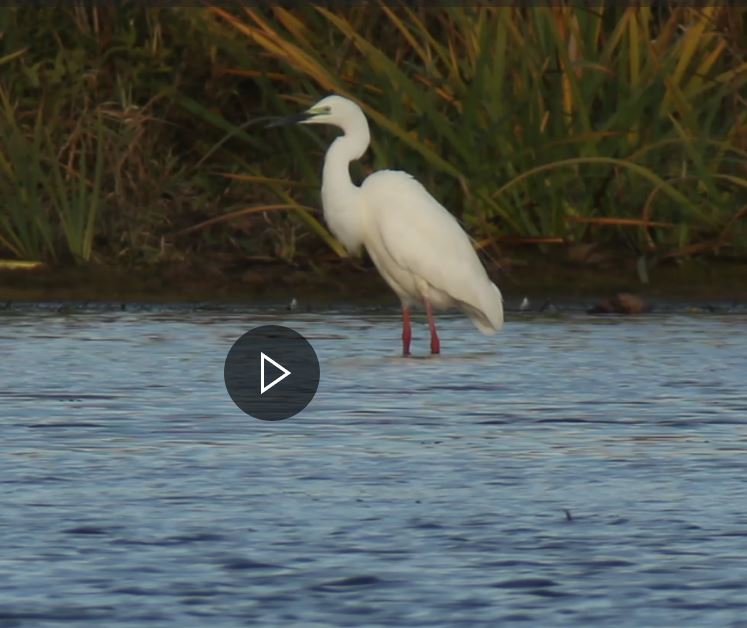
(571, 470)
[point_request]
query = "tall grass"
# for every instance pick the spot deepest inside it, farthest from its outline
(542, 124)
(124, 134)
(95, 151)
(25, 229)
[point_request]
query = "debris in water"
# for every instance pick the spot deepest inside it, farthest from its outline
(621, 303)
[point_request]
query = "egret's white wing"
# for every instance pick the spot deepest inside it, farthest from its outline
(422, 237)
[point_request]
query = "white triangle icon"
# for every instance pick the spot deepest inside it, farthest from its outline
(263, 388)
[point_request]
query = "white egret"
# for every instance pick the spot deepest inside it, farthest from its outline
(415, 243)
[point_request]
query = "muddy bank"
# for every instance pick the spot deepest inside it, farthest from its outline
(358, 282)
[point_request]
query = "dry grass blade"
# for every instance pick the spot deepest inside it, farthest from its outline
(13, 56)
(18, 264)
(609, 220)
(252, 178)
(741, 213)
(246, 211)
(521, 240)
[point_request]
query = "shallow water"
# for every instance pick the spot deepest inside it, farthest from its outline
(571, 470)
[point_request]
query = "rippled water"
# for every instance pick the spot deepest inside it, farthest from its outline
(571, 470)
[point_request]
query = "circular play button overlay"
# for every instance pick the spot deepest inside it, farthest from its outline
(271, 373)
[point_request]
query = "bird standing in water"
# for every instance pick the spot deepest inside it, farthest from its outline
(415, 243)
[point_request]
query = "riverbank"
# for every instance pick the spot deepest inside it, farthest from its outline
(356, 281)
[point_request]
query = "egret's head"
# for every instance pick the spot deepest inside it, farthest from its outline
(334, 110)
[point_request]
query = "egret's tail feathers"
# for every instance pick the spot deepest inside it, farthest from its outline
(488, 317)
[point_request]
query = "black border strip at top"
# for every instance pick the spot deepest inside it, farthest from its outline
(662, 4)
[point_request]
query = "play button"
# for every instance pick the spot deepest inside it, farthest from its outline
(271, 372)
(264, 386)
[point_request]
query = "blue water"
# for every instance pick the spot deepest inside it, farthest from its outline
(571, 470)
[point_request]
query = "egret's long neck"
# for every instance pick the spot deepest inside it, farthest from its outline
(346, 148)
(343, 209)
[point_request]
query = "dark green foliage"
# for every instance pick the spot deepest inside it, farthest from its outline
(130, 133)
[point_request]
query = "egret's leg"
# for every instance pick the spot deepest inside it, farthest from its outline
(406, 330)
(435, 343)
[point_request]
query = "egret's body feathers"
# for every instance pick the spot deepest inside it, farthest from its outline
(423, 253)
(415, 243)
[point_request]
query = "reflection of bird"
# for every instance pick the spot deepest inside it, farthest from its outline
(415, 243)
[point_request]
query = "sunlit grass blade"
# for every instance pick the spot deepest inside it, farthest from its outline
(18, 264)
(12, 56)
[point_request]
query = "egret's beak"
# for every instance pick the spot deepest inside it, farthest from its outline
(295, 118)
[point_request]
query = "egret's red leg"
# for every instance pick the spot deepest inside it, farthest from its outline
(406, 330)
(435, 343)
